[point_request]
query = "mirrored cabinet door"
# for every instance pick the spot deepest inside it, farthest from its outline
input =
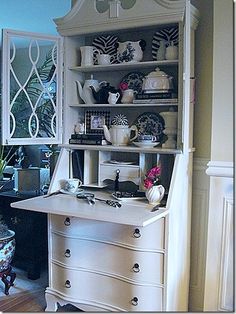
(31, 88)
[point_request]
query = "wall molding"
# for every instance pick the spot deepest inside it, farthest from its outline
(220, 169)
(200, 204)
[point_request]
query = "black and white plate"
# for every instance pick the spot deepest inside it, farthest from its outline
(150, 123)
(168, 34)
(107, 44)
(134, 80)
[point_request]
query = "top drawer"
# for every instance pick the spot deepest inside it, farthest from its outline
(151, 237)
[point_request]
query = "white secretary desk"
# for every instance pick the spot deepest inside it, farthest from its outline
(127, 259)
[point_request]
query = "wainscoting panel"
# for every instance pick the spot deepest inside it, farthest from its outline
(219, 276)
(226, 269)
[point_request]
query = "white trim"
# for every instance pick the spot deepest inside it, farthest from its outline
(220, 169)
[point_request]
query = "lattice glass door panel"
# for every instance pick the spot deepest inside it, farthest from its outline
(32, 88)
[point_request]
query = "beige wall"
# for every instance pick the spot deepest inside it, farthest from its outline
(203, 74)
(213, 122)
(222, 113)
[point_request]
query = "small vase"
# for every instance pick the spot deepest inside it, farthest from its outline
(155, 194)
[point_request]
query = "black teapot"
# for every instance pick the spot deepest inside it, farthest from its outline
(101, 96)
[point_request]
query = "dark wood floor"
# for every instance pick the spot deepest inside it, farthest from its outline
(24, 302)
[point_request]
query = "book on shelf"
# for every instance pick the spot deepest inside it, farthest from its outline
(85, 136)
(87, 141)
(156, 101)
(167, 95)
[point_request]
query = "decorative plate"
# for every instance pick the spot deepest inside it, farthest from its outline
(134, 80)
(106, 44)
(129, 196)
(167, 34)
(150, 123)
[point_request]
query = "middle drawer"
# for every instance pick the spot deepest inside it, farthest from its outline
(104, 257)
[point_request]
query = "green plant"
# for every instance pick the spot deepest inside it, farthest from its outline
(5, 157)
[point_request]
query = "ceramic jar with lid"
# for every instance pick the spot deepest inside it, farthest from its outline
(157, 81)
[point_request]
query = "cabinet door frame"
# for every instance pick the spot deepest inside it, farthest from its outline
(7, 135)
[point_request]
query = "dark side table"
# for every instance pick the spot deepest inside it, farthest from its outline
(30, 228)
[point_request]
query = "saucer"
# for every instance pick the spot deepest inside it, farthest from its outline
(78, 191)
(146, 144)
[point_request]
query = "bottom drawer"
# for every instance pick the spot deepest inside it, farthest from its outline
(94, 287)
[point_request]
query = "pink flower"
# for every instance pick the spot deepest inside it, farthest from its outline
(123, 86)
(148, 183)
(152, 177)
(154, 172)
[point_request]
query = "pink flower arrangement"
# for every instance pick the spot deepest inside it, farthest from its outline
(123, 86)
(152, 177)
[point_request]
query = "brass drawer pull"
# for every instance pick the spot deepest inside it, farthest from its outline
(67, 253)
(67, 284)
(67, 221)
(137, 233)
(136, 268)
(134, 301)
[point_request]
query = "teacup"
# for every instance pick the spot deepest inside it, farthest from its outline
(147, 138)
(70, 185)
(104, 58)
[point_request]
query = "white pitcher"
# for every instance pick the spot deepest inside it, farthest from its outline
(113, 97)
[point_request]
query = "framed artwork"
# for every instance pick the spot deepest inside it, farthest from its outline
(94, 121)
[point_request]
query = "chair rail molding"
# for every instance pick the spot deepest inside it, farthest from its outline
(220, 169)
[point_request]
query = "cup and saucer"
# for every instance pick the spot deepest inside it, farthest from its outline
(71, 186)
(146, 141)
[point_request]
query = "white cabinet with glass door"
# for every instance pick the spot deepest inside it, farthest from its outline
(31, 88)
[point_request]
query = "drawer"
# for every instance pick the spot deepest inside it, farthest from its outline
(134, 265)
(127, 173)
(151, 237)
(93, 287)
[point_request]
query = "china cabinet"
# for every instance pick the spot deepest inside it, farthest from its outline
(126, 259)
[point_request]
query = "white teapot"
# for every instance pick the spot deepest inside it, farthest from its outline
(119, 135)
(85, 92)
(130, 51)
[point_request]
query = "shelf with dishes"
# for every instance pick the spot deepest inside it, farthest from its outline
(171, 102)
(125, 66)
(127, 148)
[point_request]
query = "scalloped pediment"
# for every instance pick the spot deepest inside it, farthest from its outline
(86, 17)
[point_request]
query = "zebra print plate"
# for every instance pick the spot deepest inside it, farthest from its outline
(106, 44)
(167, 34)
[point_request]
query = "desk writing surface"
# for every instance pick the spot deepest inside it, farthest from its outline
(132, 212)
